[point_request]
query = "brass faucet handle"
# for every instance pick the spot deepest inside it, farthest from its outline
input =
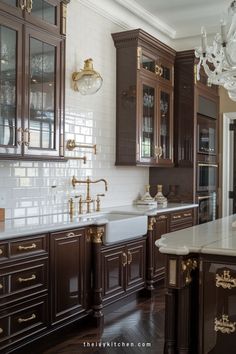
(98, 201)
(71, 206)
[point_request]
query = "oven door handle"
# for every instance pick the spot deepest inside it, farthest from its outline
(204, 197)
(207, 165)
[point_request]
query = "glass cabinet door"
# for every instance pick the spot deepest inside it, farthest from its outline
(41, 129)
(148, 104)
(15, 7)
(44, 13)
(10, 56)
(165, 146)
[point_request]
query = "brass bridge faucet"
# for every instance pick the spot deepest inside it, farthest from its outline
(88, 199)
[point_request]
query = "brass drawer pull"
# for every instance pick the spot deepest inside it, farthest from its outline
(124, 259)
(188, 214)
(71, 234)
(1, 251)
(25, 248)
(130, 258)
(1, 330)
(22, 320)
(22, 280)
(162, 217)
(27, 137)
(1, 286)
(225, 280)
(224, 326)
(177, 217)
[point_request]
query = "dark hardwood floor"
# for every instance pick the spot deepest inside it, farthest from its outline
(135, 327)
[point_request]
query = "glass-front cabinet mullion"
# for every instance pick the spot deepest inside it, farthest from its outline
(10, 87)
(147, 121)
(165, 126)
(42, 126)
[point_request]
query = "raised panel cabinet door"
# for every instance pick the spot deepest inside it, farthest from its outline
(10, 87)
(67, 267)
(161, 227)
(43, 111)
(135, 270)
(219, 311)
(113, 267)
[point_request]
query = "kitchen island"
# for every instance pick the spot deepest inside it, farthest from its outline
(201, 288)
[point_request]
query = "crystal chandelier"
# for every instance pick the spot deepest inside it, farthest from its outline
(219, 60)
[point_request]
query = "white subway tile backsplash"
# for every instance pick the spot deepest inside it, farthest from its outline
(32, 188)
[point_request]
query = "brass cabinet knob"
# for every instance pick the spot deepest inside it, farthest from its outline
(1, 330)
(1, 251)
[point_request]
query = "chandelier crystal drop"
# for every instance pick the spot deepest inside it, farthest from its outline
(219, 60)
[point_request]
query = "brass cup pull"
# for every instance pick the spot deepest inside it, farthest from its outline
(72, 234)
(129, 257)
(23, 280)
(187, 214)
(1, 251)
(177, 217)
(22, 320)
(1, 330)
(124, 259)
(26, 248)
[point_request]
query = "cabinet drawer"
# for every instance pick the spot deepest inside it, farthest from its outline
(28, 246)
(181, 216)
(23, 320)
(23, 279)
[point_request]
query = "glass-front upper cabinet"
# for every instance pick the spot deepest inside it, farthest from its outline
(10, 79)
(155, 65)
(148, 110)
(42, 126)
(165, 146)
(43, 13)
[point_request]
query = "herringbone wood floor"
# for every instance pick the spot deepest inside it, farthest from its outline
(134, 328)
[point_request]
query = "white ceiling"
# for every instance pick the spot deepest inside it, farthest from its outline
(181, 18)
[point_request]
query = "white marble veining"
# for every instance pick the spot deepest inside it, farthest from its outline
(19, 227)
(215, 237)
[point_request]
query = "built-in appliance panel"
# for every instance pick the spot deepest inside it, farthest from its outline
(207, 133)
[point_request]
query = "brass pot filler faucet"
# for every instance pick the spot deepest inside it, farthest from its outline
(88, 200)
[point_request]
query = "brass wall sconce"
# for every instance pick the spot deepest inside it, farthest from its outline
(87, 81)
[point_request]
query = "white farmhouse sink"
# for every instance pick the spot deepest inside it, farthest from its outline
(120, 227)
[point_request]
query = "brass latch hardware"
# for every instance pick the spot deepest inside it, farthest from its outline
(130, 258)
(29, 6)
(224, 326)
(124, 259)
(22, 4)
(97, 233)
(22, 280)
(158, 70)
(225, 281)
(187, 266)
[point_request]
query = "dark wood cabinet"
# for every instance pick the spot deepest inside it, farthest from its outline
(32, 79)
(123, 269)
(67, 264)
(158, 226)
(24, 288)
(145, 68)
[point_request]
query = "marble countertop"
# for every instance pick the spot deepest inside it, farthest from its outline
(47, 223)
(215, 237)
